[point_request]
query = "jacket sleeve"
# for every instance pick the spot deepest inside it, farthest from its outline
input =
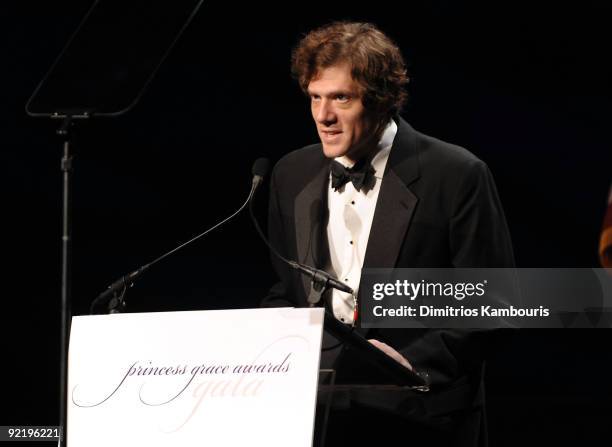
(478, 233)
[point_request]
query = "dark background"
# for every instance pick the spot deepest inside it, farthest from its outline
(526, 88)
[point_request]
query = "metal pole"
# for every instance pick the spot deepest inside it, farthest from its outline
(66, 166)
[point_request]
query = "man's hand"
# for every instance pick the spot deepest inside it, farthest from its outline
(391, 353)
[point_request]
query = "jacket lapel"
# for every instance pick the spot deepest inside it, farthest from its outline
(311, 220)
(396, 203)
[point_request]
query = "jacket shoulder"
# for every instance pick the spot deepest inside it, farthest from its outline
(298, 167)
(307, 155)
(449, 157)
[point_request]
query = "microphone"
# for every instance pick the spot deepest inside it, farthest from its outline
(259, 170)
(315, 274)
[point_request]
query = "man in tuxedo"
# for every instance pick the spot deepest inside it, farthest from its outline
(377, 193)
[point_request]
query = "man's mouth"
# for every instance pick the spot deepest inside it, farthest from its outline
(330, 135)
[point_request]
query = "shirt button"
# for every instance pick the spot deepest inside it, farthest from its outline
(351, 242)
(352, 202)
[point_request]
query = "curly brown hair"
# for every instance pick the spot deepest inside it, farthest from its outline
(376, 63)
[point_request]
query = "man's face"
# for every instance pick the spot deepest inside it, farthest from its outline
(338, 112)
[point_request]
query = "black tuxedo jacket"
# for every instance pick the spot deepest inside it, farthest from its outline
(437, 207)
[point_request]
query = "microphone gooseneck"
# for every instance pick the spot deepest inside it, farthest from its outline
(260, 169)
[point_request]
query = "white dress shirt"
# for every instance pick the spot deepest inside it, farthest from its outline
(348, 229)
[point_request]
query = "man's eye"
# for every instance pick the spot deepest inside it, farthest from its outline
(315, 98)
(342, 98)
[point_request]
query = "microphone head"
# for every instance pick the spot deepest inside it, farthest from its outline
(261, 167)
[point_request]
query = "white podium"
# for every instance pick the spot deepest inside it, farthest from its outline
(202, 378)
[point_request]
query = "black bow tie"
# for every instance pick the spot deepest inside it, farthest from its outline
(361, 175)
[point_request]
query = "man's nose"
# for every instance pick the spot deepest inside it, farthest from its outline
(325, 113)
